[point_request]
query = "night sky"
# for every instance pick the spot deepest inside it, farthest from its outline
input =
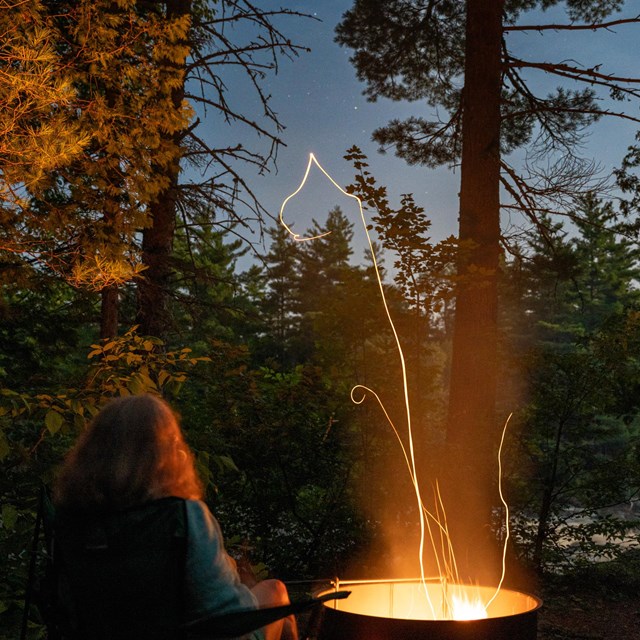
(319, 100)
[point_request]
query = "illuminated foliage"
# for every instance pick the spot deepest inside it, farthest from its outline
(39, 422)
(83, 201)
(38, 131)
(38, 128)
(125, 102)
(124, 79)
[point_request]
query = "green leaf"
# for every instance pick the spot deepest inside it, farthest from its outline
(53, 421)
(9, 516)
(225, 463)
(135, 385)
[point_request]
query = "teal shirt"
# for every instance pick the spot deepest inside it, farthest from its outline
(212, 582)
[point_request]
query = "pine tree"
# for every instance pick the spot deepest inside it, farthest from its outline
(224, 36)
(324, 265)
(206, 299)
(38, 128)
(575, 278)
(609, 268)
(84, 216)
(121, 91)
(280, 304)
(159, 232)
(575, 342)
(38, 131)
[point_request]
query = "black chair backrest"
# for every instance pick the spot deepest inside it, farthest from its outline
(120, 575)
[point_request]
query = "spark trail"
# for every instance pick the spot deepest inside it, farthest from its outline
(456, 605)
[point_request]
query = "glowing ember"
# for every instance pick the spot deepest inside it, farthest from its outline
(463, 607)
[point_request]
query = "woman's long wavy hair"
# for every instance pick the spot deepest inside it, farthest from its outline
(132, 452)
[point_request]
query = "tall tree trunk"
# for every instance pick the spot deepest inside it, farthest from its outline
(109, 312)
(157, 240)
(471, 415)
(157, 246)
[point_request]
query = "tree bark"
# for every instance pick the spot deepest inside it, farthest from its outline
(157, 246)
(157, 239)
(109, 312)
(471, 416)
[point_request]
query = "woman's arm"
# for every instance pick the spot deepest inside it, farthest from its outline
(212, 582)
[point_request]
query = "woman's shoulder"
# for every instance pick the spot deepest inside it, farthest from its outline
(197, 509)
(194, 503)
(200, 521)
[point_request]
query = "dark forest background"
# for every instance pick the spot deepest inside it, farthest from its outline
(121, 276)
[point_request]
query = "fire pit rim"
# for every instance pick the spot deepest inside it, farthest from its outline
(339, 584)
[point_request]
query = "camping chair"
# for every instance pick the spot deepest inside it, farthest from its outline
(146, 605)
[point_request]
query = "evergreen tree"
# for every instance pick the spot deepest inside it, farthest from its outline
(570, 281)
(537, 307)
(206, 300)
(38, 130)
(578, 445)
(280, 303)
(225, 36)
(326, 258)
(609, 268)
(122, 95)
(324, 268)
(84, 215)
(575, 342)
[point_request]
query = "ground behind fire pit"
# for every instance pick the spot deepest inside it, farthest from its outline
(598, 603)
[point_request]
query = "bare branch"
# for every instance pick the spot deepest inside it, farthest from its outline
(573, 27)
(591, 75)
(553, 189)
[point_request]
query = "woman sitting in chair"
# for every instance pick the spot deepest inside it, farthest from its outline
(137, 551)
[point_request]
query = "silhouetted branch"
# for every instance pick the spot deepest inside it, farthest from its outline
(591, 76)
(573, 27)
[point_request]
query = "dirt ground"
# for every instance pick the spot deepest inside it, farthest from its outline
(602, 603)
(589, 617)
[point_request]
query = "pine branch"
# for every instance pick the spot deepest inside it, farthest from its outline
(591, 76)
(573, 27)
(598, 113)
